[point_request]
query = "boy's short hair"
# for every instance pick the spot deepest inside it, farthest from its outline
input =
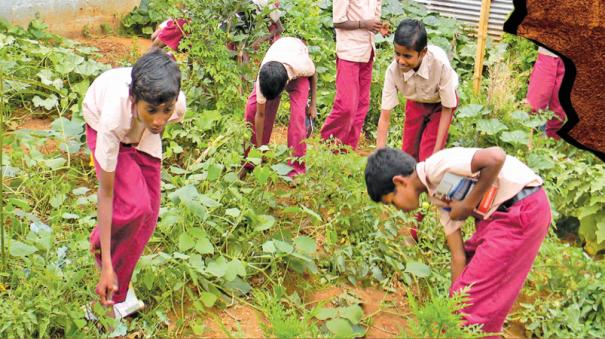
(382, 166)
(156, 78)
(272, 79)
(411, 34)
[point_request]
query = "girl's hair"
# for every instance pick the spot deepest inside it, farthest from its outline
(156, 78)
(411, 34)
(272, 79)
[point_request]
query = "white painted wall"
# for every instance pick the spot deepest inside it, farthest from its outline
(66, 17)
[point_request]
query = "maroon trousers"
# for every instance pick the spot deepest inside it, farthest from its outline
(136, 205)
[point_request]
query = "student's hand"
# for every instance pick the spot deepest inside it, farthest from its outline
(371, 25)
(460, 210)
(312, 112)
(385, 28)
(107, 286)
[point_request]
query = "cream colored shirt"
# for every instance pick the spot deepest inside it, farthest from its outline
(513, 177)
(109, 110)
(294, 55)
(545, 51)
(435, 81)
(355, 45)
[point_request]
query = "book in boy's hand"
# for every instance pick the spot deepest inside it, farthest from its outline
(457, 187)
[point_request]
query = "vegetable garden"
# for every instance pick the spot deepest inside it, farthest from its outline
(259, 257)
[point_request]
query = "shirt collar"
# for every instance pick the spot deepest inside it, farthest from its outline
(423, 70)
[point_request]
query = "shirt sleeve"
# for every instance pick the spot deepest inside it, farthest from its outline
(179, 108)
(389, 91)
(449, 225)
(260, 98)
(447, 87)
(113, 126)
(339, 11)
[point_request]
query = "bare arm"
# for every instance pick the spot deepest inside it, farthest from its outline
(456, 246)
(108, 281)
(313, 103)
(269, 36)
(488, 162)
(444, 121)
(259, 123)
(372, 25)
(383, 128)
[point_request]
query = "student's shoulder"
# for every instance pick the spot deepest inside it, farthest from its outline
(115, 76)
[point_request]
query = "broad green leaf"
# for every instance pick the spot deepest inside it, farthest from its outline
(600, 231)
(233, 212)
(269, 247)
(341, 328)
(20, 249)
(283, 246)
(520, 115)
(261, 174)
(186, 242)
(539, 162)
(48, 103)
(353, 313)
(491, 126)
(208, 202)
(197, 327)
(238, 285)
(326, 313)
(204, 246)
(70, 128)
(263, 222)
(418, 269)
(57, 200)
(515, 137)
(281, 169)
(208, 299)
(234, 268)
(217, 267)
(80, 190)
(185, 193)
(55, 163)
(305, 245)
(70, 216)
(179, 255)
(469, 111)
(214, 171)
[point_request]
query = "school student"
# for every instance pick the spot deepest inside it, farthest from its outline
(497, 258)
(423, 75)
(286, 66)
(543, 89)
(356, 22)
(126, 111)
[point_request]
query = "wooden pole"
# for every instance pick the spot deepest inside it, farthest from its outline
(481, 40)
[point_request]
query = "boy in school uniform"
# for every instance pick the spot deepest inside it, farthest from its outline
(497, 258)
(126, 110)
(356, 22)
(286, 66)
(423, 75)
(543, 89)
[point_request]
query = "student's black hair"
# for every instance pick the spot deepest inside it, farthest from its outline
(272, 79)
(156, 78)
(411, 34)
(382, 166)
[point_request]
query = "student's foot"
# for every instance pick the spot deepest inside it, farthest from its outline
(129, 306)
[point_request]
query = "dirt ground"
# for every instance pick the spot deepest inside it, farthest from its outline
(117, 50)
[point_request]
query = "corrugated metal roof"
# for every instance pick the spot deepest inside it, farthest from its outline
(468, 11)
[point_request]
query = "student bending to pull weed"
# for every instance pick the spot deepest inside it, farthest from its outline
(126, 110)
(286, 65)
(511, 211)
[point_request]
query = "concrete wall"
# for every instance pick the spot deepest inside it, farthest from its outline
(67, 17)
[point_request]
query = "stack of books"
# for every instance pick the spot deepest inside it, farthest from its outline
(457, 187)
